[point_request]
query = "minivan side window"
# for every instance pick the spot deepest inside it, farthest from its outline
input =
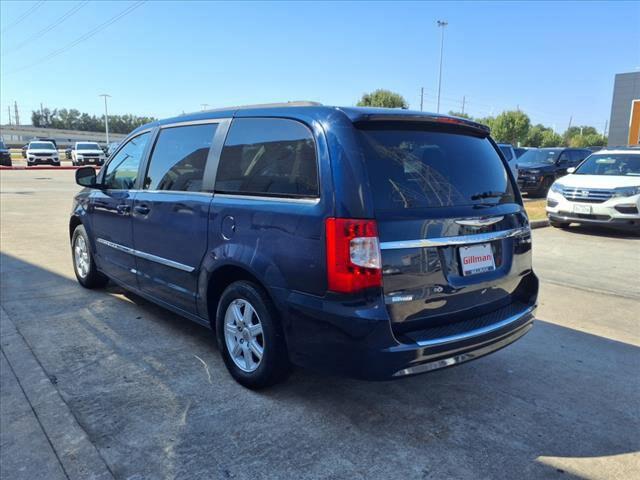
(122, 170)
(179, 158)
(268, 156)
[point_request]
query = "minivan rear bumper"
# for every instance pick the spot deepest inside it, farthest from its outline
(362, 345)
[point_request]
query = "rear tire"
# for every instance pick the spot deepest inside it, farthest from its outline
(250, 336)
(83, 264)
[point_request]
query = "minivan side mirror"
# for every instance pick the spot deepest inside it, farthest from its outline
(86, 177)
(571, 169)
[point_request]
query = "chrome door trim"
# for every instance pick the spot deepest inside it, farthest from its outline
(146, 256)
(478, 331)
(478, 222)
(458, 240)
(266, 198)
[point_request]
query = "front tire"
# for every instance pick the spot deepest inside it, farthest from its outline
(250, 336)
(555, 224)
(83, 264)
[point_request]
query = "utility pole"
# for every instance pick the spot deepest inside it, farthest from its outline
(570, 118)
(106, 116)
(9, 112)
(421, 97)
(441, 24)
(17, 116)
(463, 100)
(41, 109)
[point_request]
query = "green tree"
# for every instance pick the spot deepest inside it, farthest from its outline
(551, 139)
(535, 136)
(488, 121)
(460, 114)
(590, 140)
(74, 120)
(383, 98)
(510, 127)
(573, 132)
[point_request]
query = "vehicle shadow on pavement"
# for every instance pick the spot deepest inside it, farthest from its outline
(602, 232)
(153, 395)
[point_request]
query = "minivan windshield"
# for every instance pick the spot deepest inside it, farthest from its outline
(540, 155)
(42, 146)
(414, 168)
(87, 146)
(620, 164)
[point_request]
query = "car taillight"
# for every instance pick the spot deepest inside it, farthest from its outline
(353, 255)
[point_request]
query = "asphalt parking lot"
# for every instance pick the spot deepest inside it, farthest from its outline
(103, 384)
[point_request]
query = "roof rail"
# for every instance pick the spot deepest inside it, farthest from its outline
(296, 103)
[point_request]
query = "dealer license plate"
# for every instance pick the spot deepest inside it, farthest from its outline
(477, 259)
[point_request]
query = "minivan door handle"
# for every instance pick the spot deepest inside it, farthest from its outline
(123, 209)
(142, 209)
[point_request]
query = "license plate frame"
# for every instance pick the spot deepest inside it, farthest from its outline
(477, 258)
(583, 209)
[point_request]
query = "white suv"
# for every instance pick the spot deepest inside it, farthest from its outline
(87, 153)
(42, 152)
(604, 189)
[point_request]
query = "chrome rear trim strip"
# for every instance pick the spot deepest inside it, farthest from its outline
(464, 357)
(477, 332)
(459, 240)
(146, 256)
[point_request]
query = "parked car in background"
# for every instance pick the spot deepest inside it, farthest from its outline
(87, 153)
(538, 168)
(510, 156)
(520, 151)
(5, 155)
(356, 241)
(39, 152)
(603, 190)
(41, 139)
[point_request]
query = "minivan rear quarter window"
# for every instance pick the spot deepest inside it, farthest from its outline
(270, 157)
(418, 168)
(179, 158)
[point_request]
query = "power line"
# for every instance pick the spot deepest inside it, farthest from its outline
(23, 17)
(49, 28)
(83, 37)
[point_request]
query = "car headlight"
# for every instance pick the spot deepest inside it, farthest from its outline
(626, 191)
(557, 187)
(79, 156)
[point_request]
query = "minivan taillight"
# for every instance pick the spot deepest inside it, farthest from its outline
(353, 255)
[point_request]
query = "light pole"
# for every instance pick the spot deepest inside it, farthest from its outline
(441, 23)
(106, 116)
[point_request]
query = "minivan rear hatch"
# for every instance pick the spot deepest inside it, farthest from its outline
(454, 237)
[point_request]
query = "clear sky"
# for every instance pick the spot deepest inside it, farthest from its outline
(553, 60)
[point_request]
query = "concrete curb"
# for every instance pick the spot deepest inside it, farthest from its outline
(78, 457)
(539, 223)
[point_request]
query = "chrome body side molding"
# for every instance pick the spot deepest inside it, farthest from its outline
(146, 256)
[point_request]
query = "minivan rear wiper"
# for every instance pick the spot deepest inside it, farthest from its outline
(480, 195)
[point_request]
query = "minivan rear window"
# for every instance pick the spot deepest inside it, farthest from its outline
(415, 168)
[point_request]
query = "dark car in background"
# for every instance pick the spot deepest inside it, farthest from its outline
(5, 155)
(538, 168)
(373, 243)
(520, 151)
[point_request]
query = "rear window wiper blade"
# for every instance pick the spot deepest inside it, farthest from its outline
(480, 195)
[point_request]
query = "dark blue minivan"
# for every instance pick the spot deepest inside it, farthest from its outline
(373, 243)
